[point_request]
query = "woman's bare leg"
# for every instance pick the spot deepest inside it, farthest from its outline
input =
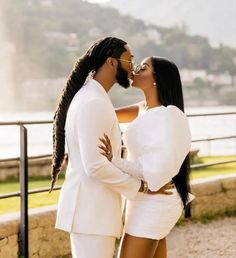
(137, 247)
(161, 251)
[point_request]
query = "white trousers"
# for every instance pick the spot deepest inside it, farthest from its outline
(92, 246)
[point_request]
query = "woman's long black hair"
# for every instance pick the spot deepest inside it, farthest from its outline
(91, 61)
(170, 92)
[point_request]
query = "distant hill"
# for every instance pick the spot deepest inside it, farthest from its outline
(215, 19)
(48, 35)
(42, 39)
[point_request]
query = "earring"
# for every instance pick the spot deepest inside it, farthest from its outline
(154, 84)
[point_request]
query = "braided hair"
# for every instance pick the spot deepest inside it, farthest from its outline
(91, 61)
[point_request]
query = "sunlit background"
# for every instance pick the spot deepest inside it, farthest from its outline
(41, 39)
(39, 42)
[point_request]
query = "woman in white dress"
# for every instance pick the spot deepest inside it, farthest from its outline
(158, 142)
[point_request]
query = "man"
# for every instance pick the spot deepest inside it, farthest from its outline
(90, 204)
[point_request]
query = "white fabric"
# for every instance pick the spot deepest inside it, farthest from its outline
(132, 168)
(92, 246)
(90, 200)
(157, 143)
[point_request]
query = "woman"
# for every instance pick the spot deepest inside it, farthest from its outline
(158, 142)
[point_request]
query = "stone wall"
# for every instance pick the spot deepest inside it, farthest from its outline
(44, 240)
(213, 195)
(39, 167)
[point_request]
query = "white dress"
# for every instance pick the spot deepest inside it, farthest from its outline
(157, 143)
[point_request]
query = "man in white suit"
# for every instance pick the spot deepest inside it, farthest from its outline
(90, 204)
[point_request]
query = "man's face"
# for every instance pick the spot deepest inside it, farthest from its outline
(124, 68)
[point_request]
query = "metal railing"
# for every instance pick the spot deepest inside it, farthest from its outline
(23, 159)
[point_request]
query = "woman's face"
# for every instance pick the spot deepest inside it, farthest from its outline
(143, 75)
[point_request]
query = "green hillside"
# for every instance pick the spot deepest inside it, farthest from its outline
(49, 35)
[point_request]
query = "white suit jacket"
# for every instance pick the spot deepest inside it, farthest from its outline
(90, 200)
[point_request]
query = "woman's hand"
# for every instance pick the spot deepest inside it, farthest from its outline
(106, 147)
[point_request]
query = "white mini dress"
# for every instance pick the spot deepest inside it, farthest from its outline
(157, 143)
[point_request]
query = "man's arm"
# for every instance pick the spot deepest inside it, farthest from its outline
(93, 120)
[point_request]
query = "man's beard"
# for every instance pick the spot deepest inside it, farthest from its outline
(122, 77)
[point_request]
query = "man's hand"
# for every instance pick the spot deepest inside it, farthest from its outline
(106, 147)
(166, 189)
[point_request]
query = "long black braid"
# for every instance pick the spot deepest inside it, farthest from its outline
(91, 61)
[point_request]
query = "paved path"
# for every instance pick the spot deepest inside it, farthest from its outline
(195, 240)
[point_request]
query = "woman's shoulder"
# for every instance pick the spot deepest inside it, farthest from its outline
(161, 116)
(175, 113)
(165, 117)
(174, 109)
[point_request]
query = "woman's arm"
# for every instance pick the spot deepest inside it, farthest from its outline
(127, 114)
(134, 169)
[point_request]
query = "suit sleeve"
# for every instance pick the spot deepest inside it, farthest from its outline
(95, 119)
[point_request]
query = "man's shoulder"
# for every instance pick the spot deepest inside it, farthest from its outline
(85, 97)
(97, 103)
(91, 105)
